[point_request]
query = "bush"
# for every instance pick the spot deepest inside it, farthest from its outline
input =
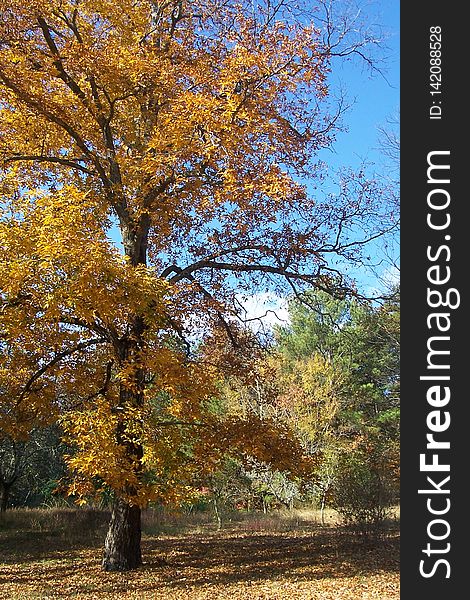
(361, 493)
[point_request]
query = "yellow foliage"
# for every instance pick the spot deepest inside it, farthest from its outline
(311, 394)
(137, 117)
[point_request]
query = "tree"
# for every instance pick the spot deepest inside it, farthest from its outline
(339, 369)
(30, 470)
(9, 470)
(183, 128)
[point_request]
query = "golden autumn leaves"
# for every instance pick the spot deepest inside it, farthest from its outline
(97, 87)
(181, 125)
(60, 315)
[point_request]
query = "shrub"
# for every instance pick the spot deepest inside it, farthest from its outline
(361, 493)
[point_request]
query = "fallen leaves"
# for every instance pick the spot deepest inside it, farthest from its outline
(307, 564)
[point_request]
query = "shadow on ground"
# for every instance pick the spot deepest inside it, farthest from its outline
(62, 568)
(200, 560)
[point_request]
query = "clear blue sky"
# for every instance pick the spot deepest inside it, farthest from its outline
(375, 96)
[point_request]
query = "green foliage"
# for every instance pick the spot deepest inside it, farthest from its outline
(360, 492)
(361, 342)
(348, 409)
(315, 327)
(34, 467)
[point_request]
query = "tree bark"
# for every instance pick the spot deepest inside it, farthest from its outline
(122, 551)
(322, 507)
(122, 547)
(217, 514)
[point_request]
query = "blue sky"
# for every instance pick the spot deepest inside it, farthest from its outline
(375, 99)
(375, 96)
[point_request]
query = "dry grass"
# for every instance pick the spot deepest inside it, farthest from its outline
(56, 554)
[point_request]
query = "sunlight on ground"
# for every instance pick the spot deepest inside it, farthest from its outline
(260, 558)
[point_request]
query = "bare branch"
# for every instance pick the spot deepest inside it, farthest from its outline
(239, 268)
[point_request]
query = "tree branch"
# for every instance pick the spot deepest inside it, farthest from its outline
(57, 358)
(222, 266)
(62, 73)
(52, 159)
(201, 263)
(39, 107)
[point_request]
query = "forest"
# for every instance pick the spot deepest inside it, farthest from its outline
(161, 168)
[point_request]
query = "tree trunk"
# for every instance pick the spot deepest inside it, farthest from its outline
(322, 507)
(4, 494)
(217, 514)
(122, 551)
(122, 545)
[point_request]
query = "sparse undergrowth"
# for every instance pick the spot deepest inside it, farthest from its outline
(56, 554)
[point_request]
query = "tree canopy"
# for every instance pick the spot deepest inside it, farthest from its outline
(187, 129)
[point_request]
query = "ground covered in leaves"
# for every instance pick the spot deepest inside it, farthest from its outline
(245, 560)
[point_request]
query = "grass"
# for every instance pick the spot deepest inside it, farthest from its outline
(55, 553)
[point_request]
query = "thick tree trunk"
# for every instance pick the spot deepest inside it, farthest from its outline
(122, 547)
(122, 550)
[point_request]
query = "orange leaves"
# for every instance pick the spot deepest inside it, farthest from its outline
(56, 306)
(112, 57)
(185, 117)
(143, 451)
(92, 431)
(181, 127)
(53, 553)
